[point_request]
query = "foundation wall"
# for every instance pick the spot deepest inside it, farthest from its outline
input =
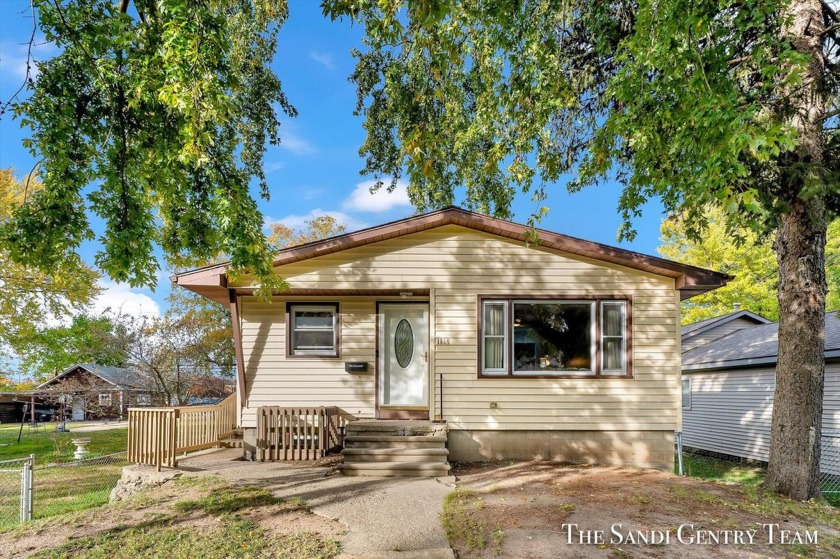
(646, 449)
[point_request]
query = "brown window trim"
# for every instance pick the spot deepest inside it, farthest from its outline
(336, 334)
(598, 299)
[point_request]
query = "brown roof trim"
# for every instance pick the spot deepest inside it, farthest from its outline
(690, 279)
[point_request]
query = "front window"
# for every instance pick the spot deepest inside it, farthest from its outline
(105, 400)
(313, 330)
(521, 337)
(552, 337)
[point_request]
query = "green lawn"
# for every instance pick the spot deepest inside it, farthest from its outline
(215, 521)
(59, 489)
(50, 446)
(750, 476)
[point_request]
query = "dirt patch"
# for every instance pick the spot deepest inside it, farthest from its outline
(164, 506)
(517, 509)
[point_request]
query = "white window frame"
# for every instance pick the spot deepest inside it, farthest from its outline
(332, 352)
(686, 382)
(623, 369)
(505, 337)
(108, 400)
(144, 400)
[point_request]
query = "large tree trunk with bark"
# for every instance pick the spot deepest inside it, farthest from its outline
(800, 245)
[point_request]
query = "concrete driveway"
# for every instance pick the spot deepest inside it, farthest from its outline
(384, 517)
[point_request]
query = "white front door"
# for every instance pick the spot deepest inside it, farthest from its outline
(403, 364)
(78, 410)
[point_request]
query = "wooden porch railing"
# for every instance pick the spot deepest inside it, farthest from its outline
(300, 433)
(157, 435)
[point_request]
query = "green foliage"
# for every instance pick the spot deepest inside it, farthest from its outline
(87, 339)
(751, 260)
(209, 322)
(30, 296)
(154, 116)
(689, 103)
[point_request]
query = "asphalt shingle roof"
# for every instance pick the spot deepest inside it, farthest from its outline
(125, 378)
(694, 326)
(754, 343)
(118, 375)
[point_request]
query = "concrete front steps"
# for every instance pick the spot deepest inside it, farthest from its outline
(387, 448)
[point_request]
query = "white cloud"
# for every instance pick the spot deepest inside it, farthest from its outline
(295, 144)
(361, 200)
(13, 57)
(325, 59)
(298, 221)
(121, 298)
(273, 166)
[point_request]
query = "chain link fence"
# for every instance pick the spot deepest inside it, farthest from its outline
(830, 466)
(29, 491)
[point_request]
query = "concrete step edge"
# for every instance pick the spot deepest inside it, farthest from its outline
(395, 438)
(400, 451)
(395, 466)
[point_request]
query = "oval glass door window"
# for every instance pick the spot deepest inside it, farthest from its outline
(404, 343)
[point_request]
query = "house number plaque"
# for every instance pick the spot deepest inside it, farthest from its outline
(442, 341)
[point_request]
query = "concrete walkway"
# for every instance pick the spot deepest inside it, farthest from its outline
(384, 517)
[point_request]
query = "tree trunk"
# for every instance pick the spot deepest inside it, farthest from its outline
(800, 246)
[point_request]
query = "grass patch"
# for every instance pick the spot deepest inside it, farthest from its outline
(231, 500)
(59, 490)
(165, 538)
(49, 445)
(728, 471)
(463, 526)
(749, 476)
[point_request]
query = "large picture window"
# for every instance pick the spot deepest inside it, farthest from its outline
(313, 330)
(548, 337)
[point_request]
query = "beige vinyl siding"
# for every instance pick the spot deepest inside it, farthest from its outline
(731, 411)
(272, 379)
(458, 265)
(712, 334)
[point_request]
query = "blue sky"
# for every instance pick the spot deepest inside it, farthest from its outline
(316, 169)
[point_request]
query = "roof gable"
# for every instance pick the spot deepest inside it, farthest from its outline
(753, 346)
(116, 376)
(695, 328)
(212, 281)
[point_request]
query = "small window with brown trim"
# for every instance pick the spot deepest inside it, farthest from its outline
(313, 329)
(553, 337)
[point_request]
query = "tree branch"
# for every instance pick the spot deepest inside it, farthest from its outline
(27, 78)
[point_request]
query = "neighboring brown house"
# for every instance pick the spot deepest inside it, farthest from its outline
(95, 392)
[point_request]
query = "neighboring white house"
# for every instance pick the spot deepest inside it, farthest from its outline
(728, 386)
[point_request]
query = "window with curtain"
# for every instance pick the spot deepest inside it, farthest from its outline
(521, 337)
(613, 350)
(494, 324)
(313, 330)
